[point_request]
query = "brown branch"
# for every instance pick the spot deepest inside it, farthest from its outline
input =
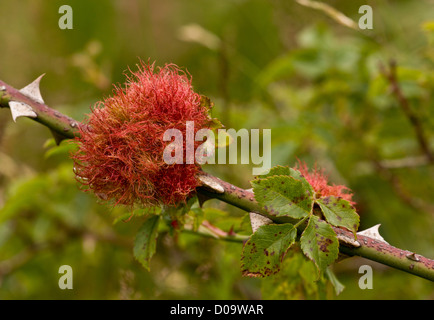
(386, 254)
(403, 102)
(245, 199)
(62, 126)
(368, 248)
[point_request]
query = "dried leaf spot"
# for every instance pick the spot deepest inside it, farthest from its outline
(324, 243)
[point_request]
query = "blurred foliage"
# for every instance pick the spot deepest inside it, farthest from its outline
(265, 64)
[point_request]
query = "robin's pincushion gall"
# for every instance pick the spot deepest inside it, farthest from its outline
(120, 145)
(319, 182)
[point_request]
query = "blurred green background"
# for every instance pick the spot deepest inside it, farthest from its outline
(265, 64)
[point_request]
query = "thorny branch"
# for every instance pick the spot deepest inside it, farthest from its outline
(62, 126)
(365, 246)
(214, 187)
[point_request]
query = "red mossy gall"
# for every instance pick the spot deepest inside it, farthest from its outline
(120, 147)
(319, 182)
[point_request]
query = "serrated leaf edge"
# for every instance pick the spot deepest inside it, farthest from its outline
(303, 247)
(312, 195)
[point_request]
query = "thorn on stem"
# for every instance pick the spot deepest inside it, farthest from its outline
(412, 256)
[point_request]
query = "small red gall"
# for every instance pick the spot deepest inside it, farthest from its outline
(319, 182)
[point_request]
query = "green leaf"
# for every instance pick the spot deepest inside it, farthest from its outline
(287, 171)
(284, 171)
(281, 171)
(319, 243)
(283, 196)
(146, 240)
(297, 280)
(339, 212)
(266, 248)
